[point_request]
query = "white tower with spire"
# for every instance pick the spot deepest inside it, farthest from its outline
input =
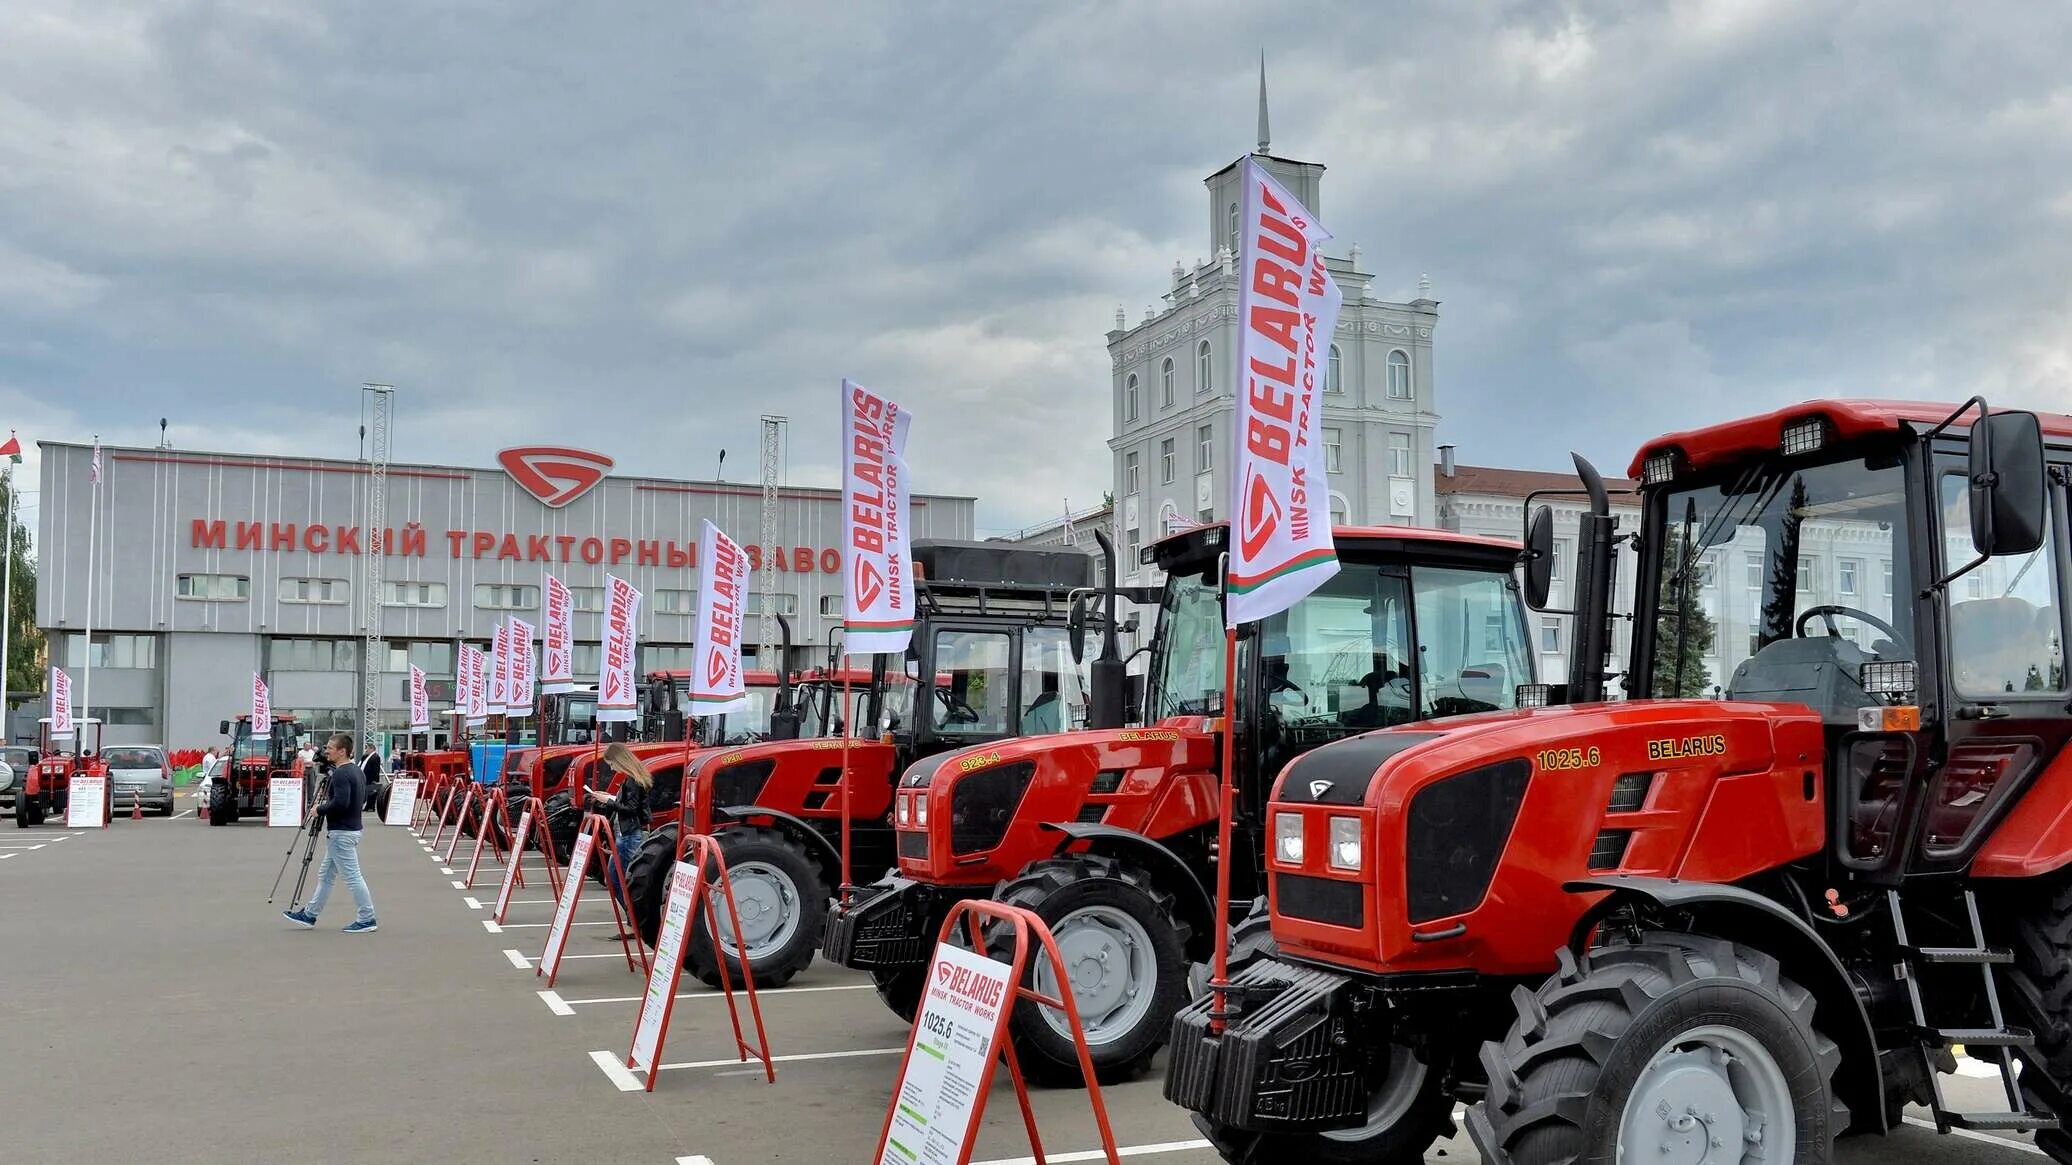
(1172, 377)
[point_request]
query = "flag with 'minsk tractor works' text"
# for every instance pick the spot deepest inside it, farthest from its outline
(717, 684)
(877, 556)
(1287, 307)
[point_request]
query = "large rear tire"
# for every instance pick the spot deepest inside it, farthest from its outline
(2040, 995)
(782, 900)
(222, 805)
(901, 990)
(1125, 953)
(647, 881)
(1675, 1044)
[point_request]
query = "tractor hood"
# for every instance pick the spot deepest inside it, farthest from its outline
(801, 778)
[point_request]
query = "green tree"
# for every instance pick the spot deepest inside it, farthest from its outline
(24, 642)
(1683, 633)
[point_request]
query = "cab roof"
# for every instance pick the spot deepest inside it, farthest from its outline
(1847, 420)
(1410, 538)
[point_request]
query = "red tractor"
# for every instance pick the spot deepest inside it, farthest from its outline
(245, 780)
(990, 660)
(44, 790)
(1110, 835)
(1719, 928)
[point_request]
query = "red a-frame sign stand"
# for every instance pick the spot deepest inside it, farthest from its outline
(703, 854)
(514, 873)
(468, 797)
(603, 848)
(494, 799)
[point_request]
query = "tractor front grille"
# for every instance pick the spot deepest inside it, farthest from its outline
(1325, 900)
(983, 803)
(741, 784)
(1458, 828)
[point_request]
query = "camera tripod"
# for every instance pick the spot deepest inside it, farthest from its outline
(312, 825)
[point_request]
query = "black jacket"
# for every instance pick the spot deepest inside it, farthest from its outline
(348, 793)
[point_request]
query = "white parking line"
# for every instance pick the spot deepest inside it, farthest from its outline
(459, 885)
(734, 1062)
(38, 845)
(473, 903)
(714, 994)
(4, 857)
(555, 1003)
(700, 1159)
(180, 814)
(448, 871)
(544, 925)
(1970, 1135)
(518, 960)
(491, 927)
(616, 1072)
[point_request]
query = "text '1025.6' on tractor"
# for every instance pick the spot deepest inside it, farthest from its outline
(1714, 929)
(1110, 834)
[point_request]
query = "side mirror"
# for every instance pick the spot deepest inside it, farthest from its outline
(1075, 628)
(1539, 558)
(2007, 493)
(223, 727)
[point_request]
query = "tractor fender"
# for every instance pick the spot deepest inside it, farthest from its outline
(1742, 916)
(1196, 906)
(822, 851)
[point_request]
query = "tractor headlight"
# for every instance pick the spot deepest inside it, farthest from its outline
(1658, 468)
(1287, 838)
(921, 810)
(1345, 843)
(1807, 435)
(901, 808)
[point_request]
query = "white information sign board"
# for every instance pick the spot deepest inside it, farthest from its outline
(86, 803)
(565, 910)
(518, 839)
(284, 801)
(402, 801)
(665, 970)
(956, 1041)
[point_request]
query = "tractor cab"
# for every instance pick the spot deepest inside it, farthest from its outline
(1820, 847)
(667, 715)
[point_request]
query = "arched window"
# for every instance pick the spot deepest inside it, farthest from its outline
(1233, 229)
(1129, 398)
(1334, 372)
(1201, 367)
(1338, 512)
(1165, 382)
(1399, 375)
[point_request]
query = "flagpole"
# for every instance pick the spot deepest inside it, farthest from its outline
(7, 611)
(1228, 793)
(93, 515)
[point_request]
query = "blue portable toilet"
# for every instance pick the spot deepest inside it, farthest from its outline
(486, 760)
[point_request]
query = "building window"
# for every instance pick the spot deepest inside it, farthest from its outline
(1559, 569)
(214, 588)
(318, 721)
(1332, 457)
(1550, 636)
(1708, 567)
(1754, 572)
(1165, 460)
(1399, 455)
(656, 657)
(315, 590)
(1129, 398)
(1203, 380)
(1805, 574)
(1204, 448)
(1976, 585)
(1205, 516)
(1888, 578)
(1338, 512)
(433, 657)
(506, 597)
(1845, 577)
(1493, 634)
(675, 602)
(586, 659)
(112, 649)
(1399, 375)
(783, 603)
(1133, 550)
(1131, 479)
(413, 594)
(126, 717)
(1334, 372)
(1234, 247)
(1165, 383)
(586, 598)
(312, 655)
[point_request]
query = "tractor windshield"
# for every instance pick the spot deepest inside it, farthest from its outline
(1779, 583)
(1188, 666)
(249, 747)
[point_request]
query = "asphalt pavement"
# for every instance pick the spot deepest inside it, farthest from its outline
(154, 1007)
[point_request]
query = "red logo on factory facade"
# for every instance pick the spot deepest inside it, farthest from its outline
(554, 475)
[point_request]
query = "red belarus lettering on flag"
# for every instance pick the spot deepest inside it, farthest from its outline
(262, 709)
(615, 686)
(420, 706)
(1287, 310)
(717, 686)
(876, 588)
(60, 703)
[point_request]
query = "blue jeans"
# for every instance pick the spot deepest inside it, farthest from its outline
(629, 844)
(342, 856)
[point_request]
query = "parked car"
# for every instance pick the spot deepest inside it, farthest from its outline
(14, 764)
(139, 773)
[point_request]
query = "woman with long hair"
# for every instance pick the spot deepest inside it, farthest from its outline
(629, 810)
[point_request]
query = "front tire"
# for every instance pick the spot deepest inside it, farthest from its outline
(2040, 995)
(1675, 1044)
(1125, 953)
(647, 881)
(222, 806)
(1408, 1109)
(783, 904)
(901, 990)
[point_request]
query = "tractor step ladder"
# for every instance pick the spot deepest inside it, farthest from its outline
(1999, 1036)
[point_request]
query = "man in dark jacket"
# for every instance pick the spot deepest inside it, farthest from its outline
(341, 811)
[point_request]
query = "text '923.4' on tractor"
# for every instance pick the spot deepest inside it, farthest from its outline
(1720, 929)
(1110, 835)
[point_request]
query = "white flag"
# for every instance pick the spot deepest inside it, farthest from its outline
(262, 709)
(716, 682)
(559, 663)
(500, 671)
(60, 706)
(877, 570)
(1287, 307)
(461, 703)
(97, 460)
(478, 684)
(521, 668)
(420, 703)
(615, 691)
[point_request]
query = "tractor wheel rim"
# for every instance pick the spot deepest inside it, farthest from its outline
(1712, 1096)
(769, 908)
(1388, 1103)
(1113, 970)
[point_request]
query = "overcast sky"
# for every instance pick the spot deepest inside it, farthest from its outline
(636, 228)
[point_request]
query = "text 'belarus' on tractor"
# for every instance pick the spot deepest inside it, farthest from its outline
(1703, 930)
(1110, 835)
(44, 790)
(990, 659)
(246, 779)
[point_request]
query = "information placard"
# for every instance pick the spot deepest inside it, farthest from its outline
(565, 909)
(665, 971)
(284, 801)
(518, 838)
(86, 803)
(956, 1041)
(402, 803)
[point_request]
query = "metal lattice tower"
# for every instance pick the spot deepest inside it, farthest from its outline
(378, 398)
(766, 631)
